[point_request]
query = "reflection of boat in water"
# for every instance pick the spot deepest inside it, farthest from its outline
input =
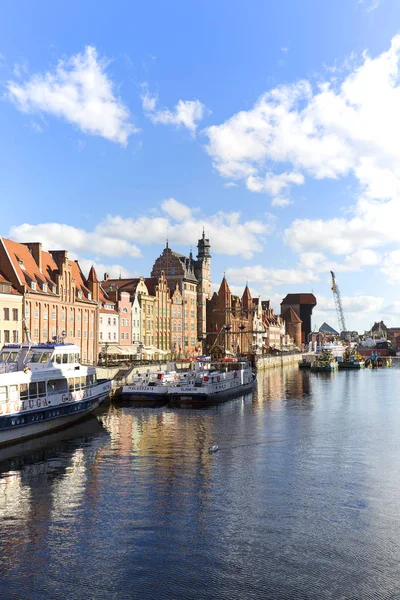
(47, 445)
(44, 387)
(351, 360)
(324, 362)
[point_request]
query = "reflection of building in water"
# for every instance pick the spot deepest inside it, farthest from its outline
(275, 385)
(68, 490)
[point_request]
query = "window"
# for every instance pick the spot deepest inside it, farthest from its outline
(71, 333)
(71, 317)
(79, 333)
(36, 313)
(109, 335)
(115, 336)
(15, 314)
(109, 321)
(114, 321)
(192, 314)
(80, 294)
(63, 314)
(45, 333)
(6, 312)
(192, 327)
(6, 337)
(101, 319)
(92, 318)
(27, 311)
(53, 332)
(15, 336)
(122, 336)
(192, 341)
(148, 324)
(89, 295)
(45, 314)
(54, 289)
(44, 287)
(86, 335)
(86, 317)
(54, 314)
(101, 334)
(33, 285)
(36, 334)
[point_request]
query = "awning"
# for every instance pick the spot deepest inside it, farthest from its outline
(120, 350)
(154, 350)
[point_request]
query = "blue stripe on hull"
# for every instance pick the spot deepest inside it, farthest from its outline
(13, 428)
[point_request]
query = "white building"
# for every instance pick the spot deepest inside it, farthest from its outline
(108, 324)
(136, 321)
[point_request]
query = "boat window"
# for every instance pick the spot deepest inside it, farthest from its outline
(35, 358)
(45, 357)
(65, 359)
(56, 385)
(4, 356)
(13, 392)
(33, 390)
(23, 391)
(71, 358)
(83, 382)
(77, 357)
(94, 377)
(41, 388)
(71, 385)
(3, 393)
(77, 382)
(58, 359)
(12, 357)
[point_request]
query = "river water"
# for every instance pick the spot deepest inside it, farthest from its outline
(301, 501)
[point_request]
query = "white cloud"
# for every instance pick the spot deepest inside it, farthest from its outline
(176, 210)
(281, 202)
(79, 91)
(319, 262)
(59, 236)
(113, 270)
(370, 5)
(270, 277)
(119, 236)
(186, 113)
(391, 266)
(338, 128)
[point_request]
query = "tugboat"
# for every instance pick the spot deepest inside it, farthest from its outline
(44, 387)
(324, 362)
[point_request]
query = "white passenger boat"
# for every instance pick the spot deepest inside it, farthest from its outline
(213, 383)
(149, 387)
(44, 387)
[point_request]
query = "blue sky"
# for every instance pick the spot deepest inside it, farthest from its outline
(274, 125)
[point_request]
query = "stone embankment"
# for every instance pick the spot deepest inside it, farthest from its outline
(271, 362)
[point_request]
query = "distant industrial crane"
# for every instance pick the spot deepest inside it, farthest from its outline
(338, 304)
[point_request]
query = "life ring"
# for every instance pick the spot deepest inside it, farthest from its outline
(26, 370)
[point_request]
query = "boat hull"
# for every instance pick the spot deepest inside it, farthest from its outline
(20, 427)
(343, 366)
(198, 399)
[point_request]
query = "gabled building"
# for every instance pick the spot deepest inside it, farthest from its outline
(57, 300)
(193, 278)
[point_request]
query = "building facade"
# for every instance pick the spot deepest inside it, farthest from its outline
(11, 313)
(57, 300)
(193, 279)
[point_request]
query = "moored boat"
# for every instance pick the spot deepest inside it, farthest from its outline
(324, 362)
(351, 360)
(150, 387)
(213, 383)
(44, 387)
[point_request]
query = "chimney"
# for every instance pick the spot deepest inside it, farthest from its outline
(106, 276)
(60, 257)
(36, 251)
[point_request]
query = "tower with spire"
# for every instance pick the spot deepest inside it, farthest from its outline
(203, 276)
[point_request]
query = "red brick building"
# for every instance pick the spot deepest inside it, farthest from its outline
(58, 301)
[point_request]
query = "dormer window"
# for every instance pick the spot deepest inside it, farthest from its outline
(21, 263)
(54, 289)
(33, 285)
(44, 287)
(80, 294)
(89, 295)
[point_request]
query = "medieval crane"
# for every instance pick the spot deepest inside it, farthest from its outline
(338, 304)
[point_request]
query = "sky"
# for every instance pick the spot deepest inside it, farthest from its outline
(274, 126)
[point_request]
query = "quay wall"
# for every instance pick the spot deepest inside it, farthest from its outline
(271, 362)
